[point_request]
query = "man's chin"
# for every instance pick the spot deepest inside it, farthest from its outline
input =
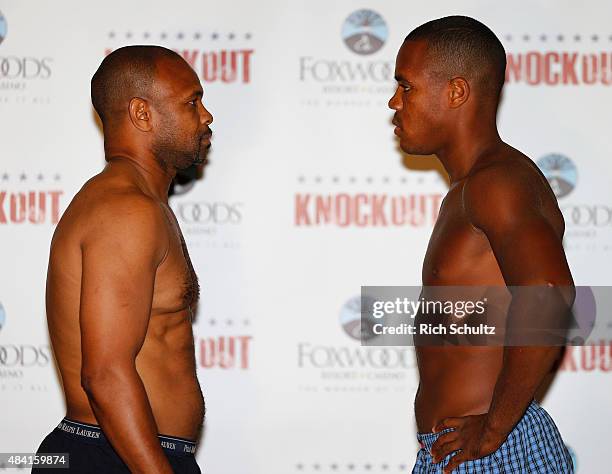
(201, 160)
(411, 149)
(403, 144)
(189, 164)
(407, 148)
(201, 157)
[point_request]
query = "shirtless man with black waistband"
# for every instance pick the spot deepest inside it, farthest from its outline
(120, 284)
(499, 225)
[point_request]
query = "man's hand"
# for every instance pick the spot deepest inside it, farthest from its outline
(470, 437)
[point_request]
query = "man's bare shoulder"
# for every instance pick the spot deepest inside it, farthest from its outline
(106, 205)
(508, 168)
(506, 187)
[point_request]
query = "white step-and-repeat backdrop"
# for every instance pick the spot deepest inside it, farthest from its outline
(306, 199)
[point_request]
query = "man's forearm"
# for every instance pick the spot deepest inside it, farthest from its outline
(119, 401)
(537, 316)
(522, 372)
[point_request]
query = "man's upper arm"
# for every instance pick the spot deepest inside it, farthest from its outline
(506, 208)
(120, 256)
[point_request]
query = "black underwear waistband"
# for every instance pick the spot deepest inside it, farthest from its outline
(93, 434)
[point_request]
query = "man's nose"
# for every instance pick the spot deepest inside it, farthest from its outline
(206, 117)
(395, 102)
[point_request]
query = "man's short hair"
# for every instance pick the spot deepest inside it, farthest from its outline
(463, 46)
(125, 73)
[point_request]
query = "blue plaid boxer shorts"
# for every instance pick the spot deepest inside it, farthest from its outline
(534, 446)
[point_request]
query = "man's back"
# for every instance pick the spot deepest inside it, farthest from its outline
(114, 203)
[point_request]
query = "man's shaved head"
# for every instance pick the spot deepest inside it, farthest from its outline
(462, 46)
(150, 102)
(125, 73)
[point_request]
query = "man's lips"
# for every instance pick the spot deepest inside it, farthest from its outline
(207, 135)
(397, 128)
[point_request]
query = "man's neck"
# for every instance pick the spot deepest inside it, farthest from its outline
(465, 150)
(151, 176)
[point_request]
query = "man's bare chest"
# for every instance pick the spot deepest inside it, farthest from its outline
(176, 283)
(458, 253)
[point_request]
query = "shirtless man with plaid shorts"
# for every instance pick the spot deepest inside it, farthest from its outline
(499, 225)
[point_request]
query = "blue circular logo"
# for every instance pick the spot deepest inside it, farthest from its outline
(364, 32)
(3, 27)
(352, 322)
(560, 172)
(2, 316)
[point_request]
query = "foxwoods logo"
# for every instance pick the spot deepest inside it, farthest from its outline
(209, 213)
(24, 367)
(342, 357)
(24, 355)
(353, 367)
(583, 220)
(560, 172)
(3, 28)
(353, 324)
(364, 32)
(211, 224)
(18, 73)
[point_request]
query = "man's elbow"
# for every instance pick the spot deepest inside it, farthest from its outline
(560, 300)
(99, 381)
(93, 380)
(569, 294)
(566, 289)
(550, 288)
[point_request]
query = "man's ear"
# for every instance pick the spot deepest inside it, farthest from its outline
(140, 114)
(458, 92)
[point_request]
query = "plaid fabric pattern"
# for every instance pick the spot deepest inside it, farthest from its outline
(534, 446)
